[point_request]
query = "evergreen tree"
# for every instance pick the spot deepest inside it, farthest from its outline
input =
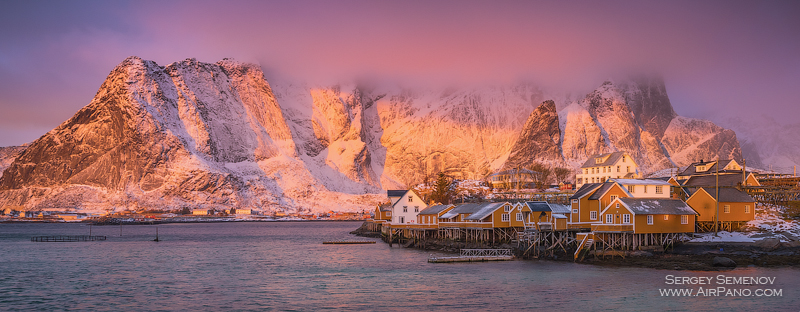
(442, 190)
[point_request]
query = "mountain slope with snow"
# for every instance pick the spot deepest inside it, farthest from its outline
(216, 136)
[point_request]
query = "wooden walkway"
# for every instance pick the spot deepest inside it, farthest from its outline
(67, 238)
(476, 255)
(347, 242)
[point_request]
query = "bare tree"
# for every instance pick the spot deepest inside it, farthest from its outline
(561, 174)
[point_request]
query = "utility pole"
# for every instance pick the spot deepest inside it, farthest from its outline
(716, 218)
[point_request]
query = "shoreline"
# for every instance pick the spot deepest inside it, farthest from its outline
(690, 256)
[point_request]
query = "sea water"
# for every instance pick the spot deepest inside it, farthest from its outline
(284, 266)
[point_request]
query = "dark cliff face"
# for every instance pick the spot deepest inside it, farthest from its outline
(648, 100)
(539, 139)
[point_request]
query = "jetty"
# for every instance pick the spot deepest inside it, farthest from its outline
(347, 242)
(476, 255)
(67, 238)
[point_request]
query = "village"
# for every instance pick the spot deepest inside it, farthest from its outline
(612, 211)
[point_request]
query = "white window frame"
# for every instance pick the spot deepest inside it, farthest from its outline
(726, 208)
(505, 217)
(649, 219)
(574, 201)
(609, 218)
(592, 215)
(574, 210)
(746, 208)
(684, 219)
(626, 218)
(507, 208)
(405, 208)
(613, 197)
(416, 208)
(659, 189)
(666, 217)
(631, 188)
(519, 216)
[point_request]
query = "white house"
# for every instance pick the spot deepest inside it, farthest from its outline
(600, 168)
(406, 205)
(646, 188)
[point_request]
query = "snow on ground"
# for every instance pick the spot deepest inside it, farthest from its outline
(769, 223)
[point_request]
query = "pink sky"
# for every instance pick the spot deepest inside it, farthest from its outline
(714, 55)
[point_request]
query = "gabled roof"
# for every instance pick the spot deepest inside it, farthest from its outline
(449, 215)
(657, 206)
(728, 195)
(722, 163)
(585, 190)
(538, 206)
(611, 159)
(386, 207)
(434, 210)
(396, 193)
(711, 180)
(484, 211)
(603, 189)
(559, 208)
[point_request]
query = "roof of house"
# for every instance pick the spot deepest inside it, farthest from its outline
(658, 206)
(538, 206)
(449, 215)
(585, 189)
(434, 210)
(395, 193)
(612, 159)
(386, 207)
(602, 190)
(711, 180)
(484, 211)
(559, 208)
(692, 169)
(729, 195)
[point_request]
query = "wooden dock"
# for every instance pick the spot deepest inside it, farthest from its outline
(347, 242)
(67, 238)
(476, 255)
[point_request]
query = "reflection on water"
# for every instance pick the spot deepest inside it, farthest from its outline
(285, 266)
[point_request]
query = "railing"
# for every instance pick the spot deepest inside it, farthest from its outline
(612, 227)
(483, 225)
(486, 253)
(585, 242)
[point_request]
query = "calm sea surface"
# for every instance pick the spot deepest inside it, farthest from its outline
(284, 266)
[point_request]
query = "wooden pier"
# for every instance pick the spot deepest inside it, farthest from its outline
(476, 255)
(347, 242)
(67, 238)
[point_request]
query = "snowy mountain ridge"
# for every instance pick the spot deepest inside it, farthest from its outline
(216, 136)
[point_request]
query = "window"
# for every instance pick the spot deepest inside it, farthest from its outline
(416, 208)
(410, 199)
(650, 219)
(631, 188)
(617, 205)
(402, 220)
(405, 208)
(598, 160)
(519, 216)
(659, 189)
(507, 208)
(626, 218)
(617, 168)
(504, 217)
(629, 168)
(574, 210)
(623, 158)
(609, 218)
(666, 217)
(746, 208)
(727, 208)
(388, 213)
(574, 201)
(645, 189)
(585, 171)
(684, 219)
(613, 197)
(593, 215)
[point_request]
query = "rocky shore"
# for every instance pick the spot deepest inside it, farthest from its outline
(703, 256)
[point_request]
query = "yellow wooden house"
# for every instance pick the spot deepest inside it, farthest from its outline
(431, 215)
(383, 213)
(735, 207)
(646, 215)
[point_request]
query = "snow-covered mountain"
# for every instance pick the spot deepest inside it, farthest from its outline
(193, 134)
(766, 143)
